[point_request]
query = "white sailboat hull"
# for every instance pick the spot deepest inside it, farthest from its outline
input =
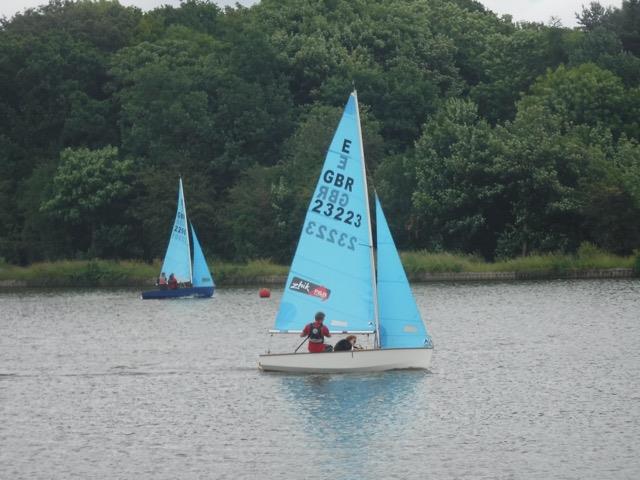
(376, 360)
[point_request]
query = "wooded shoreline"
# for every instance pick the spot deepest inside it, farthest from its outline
(279, 280)
(482, 135)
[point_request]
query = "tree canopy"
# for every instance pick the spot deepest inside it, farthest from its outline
(481, 135)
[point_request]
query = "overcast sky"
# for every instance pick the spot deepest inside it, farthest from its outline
(530, 10)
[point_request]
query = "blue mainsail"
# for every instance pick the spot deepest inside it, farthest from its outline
(177, 260)
(201, 275)
(400, 322)
(332, 268)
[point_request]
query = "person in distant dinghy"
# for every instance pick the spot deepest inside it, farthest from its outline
(316, 332)
(162, 281)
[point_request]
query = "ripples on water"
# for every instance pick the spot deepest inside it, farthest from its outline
(529, 380)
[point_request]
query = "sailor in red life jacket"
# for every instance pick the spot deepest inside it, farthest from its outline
(173, 282)
(316, 332)
(162, 281)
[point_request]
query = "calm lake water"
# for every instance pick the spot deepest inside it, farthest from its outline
(533, 380)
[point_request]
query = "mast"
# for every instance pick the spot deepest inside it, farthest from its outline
(374, 283)
(186, 228)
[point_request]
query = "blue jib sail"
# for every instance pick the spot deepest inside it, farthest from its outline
(177, 260)
(331, 269)
(201, 274)
(400, 322)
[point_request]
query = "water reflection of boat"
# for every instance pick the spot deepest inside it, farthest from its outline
(333, 271)
(339, 408)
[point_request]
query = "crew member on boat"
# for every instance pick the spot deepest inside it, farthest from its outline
(316, 332)
(162, 281)
(346, 344)
(173, 282)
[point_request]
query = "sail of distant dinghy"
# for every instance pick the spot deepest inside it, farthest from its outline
(332, 268)
(201, 274)
(177, 260)
(400, 323)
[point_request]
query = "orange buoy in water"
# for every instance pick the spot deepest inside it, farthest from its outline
(265, 293)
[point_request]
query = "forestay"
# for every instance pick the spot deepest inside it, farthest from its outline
(331, 269)
(177, 259)
(400, 323)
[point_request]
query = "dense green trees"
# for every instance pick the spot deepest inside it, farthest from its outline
(542, 182)
(481, 135)
(456, 188)
(89, 201)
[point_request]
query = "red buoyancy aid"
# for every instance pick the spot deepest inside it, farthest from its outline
(315, 333)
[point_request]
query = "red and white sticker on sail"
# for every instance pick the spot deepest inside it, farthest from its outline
(309, 288)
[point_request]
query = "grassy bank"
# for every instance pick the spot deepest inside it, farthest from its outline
(128, 273)
(106, 273)
(81, 273)
(587, 258)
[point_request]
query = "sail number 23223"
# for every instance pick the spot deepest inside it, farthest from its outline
(331, 235)
(337, 213)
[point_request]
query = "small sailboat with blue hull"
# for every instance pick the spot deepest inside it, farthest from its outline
(192, 279)
(334, 271)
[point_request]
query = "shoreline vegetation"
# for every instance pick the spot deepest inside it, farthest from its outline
(420, 266)
(483, 136)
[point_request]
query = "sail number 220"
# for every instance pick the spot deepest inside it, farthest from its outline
(331, 235)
